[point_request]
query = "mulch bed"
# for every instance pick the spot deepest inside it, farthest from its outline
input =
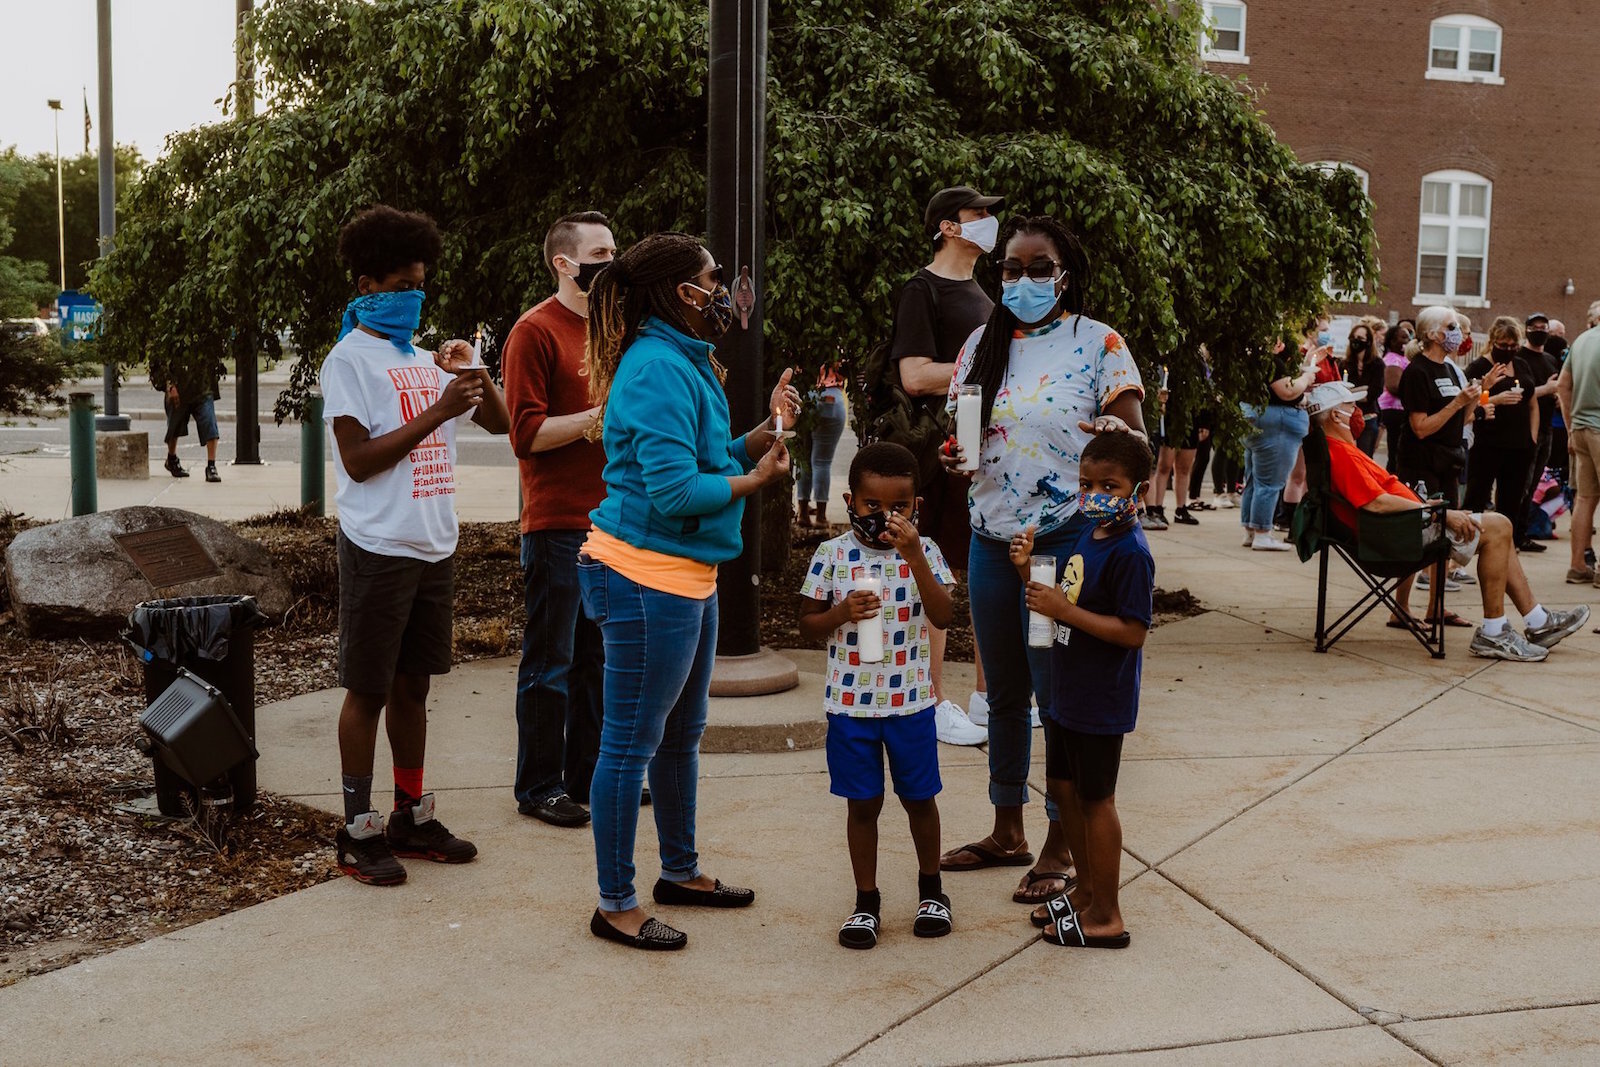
(78, 877)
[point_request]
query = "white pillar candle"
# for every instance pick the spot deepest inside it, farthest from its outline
(1041, 628)
(869, 632)
(969, 424)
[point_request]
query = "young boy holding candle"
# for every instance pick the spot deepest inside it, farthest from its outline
(879, 692)
(1103, 608)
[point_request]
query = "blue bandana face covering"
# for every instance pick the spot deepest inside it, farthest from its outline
(1107, 509)
(1029, 301)
(395, 315)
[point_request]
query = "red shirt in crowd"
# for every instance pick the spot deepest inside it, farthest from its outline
(542, 364)
(1358, 481)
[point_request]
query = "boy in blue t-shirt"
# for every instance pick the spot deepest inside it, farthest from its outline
(881, 704)
(1103, 609)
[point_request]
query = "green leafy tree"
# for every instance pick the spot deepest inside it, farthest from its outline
(24, 283)
(34, 219)
(498, 116)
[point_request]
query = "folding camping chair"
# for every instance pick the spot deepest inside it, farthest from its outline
(1382, 550)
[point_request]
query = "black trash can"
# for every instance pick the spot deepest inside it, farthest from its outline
(212, 637)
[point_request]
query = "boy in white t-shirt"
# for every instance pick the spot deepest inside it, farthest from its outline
(884, 705)
(393, 410)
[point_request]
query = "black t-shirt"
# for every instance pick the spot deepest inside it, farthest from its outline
(1509, 428)
(1370, 376)
(935, 316)
(1286, 365)
(1543, 365)
(1427, 388)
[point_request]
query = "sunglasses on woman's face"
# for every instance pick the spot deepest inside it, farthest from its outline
(1040, 270)
(714, 273)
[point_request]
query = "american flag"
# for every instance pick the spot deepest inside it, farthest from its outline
(86, 123)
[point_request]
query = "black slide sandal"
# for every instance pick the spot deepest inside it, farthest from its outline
(859, 931)
(1069, 932)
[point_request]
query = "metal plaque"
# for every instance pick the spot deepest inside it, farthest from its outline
(168, 555)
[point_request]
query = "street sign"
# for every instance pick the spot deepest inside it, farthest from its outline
(78, 315)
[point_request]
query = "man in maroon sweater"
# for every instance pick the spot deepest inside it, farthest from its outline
(559, 678)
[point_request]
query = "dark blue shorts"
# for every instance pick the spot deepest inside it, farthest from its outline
(856, 747)
(204, 412)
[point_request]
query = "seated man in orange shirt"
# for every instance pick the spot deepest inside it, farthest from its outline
(1360, 484)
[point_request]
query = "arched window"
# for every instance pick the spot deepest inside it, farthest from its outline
(1453, 239)
(1464, 48)
(1359, 294)
(1222, 40)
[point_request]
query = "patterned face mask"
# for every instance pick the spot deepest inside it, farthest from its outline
(1108, 509)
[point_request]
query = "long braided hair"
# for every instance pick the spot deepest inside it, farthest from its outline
(993, 356)
(642, 281)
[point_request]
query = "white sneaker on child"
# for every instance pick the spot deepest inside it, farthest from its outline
(952, 726)
(978, 708)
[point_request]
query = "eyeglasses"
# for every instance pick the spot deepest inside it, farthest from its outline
(1040, 270)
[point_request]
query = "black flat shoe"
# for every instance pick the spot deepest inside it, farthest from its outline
(723, 896)
(653, 936)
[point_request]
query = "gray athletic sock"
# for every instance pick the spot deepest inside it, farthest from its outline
(357, 795)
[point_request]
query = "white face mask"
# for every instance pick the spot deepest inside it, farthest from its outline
(983, 232)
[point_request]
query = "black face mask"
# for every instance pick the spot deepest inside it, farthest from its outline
(587, 273)
(1502, 355)
(1538, 337)
(873, 525)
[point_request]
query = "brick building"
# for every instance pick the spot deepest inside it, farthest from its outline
(1475, 125)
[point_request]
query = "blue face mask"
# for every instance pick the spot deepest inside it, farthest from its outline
(1028, 300)
(395, 315)
(1108, 509)
(1452, 341)
(1324, 339)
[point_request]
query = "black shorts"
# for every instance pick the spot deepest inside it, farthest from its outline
(1088, 761)
(945, 519)
(395, 617)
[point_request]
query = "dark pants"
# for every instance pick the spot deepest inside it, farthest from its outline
(560, 677)
(1197, 473)
(1392, 421)
(1506, 471)
(1541, 459)
(1226, 472)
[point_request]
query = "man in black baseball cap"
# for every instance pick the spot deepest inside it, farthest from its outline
(935, 313)
(947, 206)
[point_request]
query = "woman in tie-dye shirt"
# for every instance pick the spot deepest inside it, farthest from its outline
(1051, 379)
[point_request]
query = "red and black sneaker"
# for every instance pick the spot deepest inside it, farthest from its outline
(414, 833)
(363, 853)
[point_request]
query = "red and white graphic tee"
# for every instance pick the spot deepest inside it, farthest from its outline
(409, 509)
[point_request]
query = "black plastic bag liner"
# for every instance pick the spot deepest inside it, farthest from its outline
(172, 630)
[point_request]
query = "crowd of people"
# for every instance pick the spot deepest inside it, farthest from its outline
(1023, 465)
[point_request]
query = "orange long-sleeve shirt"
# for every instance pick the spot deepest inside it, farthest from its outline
(542, 366)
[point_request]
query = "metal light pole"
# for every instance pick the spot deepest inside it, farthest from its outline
(112, 419)
(736, 231)
(61, 211)
(247, 444)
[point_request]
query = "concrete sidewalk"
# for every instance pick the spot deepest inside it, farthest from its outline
(1365, 857)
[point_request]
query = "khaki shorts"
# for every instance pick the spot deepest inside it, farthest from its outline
(1585, 460)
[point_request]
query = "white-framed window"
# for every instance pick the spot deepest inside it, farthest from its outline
(1359, 294)
(1453, 239)
(1222, 40)
(1464, 48)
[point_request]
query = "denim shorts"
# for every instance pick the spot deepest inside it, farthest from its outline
(204, 411)
(856, 746)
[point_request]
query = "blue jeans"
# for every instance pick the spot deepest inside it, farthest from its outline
(1269, 456)
(814, 475)
(559, 677)
(659, 653)
(1015, 671)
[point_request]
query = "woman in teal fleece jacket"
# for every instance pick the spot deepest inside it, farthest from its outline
(676, 480)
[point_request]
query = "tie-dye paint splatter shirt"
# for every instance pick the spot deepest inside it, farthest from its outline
(1027, 474)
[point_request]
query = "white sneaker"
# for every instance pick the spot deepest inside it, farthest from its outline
(1249, 538)
(978, 708)
(1223, 503)
(952, 726)
(1268, 543)
(1033, 716)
